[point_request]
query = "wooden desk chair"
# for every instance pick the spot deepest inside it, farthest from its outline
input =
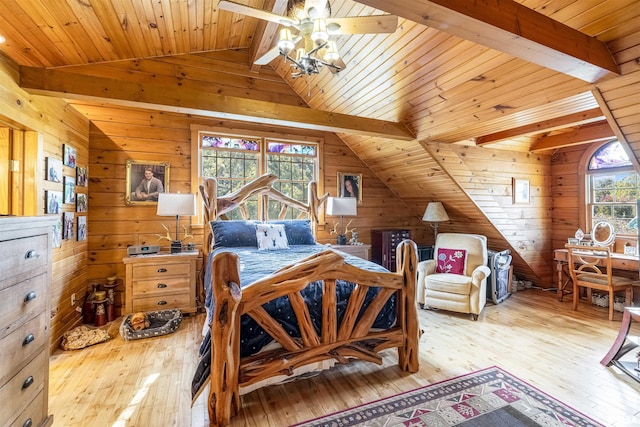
(590, 267)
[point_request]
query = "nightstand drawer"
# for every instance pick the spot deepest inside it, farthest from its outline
(23, 255)
(20, 391)
(161, 270)
(21, 345)
(23, 301)
(161, 286)
(162, 302)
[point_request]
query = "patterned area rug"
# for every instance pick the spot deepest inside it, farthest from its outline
(486, 398)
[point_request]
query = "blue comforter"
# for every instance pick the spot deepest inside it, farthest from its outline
(256, 264)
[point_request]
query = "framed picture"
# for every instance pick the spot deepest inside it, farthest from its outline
(54, 199)
(67, 225)
(69, 156)
(57, 233)
(629, 250)
(521, 191)
(82, 228)
(81, 176)
(81, 202)
(69, 190)
(350, 185)
(145, 180)
(573, 241)
(54, 169)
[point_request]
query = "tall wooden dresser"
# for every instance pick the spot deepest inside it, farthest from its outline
(383, 246)
(25, 280)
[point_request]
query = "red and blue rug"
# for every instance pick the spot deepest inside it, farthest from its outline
(486, 398)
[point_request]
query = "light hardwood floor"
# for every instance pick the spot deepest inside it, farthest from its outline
(531, 335)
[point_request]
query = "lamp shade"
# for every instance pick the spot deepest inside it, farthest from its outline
(342, 206)
(435, 213)
(173, 204)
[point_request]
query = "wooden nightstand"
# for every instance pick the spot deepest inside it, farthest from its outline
(362, 251)
(161, 282)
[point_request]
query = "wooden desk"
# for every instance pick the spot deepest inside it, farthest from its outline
(618, 262)
(624, 344)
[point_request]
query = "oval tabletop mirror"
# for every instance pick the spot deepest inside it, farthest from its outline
(603, 234)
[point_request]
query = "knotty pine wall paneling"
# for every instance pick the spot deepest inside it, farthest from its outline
(121, 134)
(45, 125)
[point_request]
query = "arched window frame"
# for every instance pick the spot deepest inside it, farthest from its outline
(623, 211)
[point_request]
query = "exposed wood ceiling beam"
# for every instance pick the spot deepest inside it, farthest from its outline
(510, 27)
(576, 119)
(265, 33)
(53, 82)
(598, 131)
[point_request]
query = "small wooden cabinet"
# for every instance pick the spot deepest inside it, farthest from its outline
(383, 246)
(161, 282)
(25, 280)
(361, 251)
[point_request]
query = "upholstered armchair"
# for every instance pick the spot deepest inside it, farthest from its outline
(456, 280)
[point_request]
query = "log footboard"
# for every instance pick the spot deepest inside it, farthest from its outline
(351, 338)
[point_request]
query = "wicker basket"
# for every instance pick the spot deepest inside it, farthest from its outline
(162, 323)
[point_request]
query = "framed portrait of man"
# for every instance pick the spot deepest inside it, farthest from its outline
(350, 185)
(145, 180)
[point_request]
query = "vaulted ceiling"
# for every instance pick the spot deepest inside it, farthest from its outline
(524, 75)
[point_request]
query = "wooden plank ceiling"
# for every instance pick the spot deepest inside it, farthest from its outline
(510, 75)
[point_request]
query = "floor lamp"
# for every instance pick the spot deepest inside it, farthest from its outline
(435, 214)
(176, 204)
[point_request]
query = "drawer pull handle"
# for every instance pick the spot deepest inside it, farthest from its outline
(28, 423)
(28, 339)
(162, 285)
(162, 302)
(162, 270)
(27, 383)
(30, 296)
(32, 253)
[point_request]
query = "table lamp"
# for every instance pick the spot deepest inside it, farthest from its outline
(176, 204)
(342, 206)
(435, 214)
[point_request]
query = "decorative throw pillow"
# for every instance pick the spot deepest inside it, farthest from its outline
(271, 237)
(232, 233)
(298, 231)
(451, 261)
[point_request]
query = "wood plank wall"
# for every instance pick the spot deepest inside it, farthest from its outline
(49, 123)
(120, 134)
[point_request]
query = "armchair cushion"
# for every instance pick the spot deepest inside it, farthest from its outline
(451, 261)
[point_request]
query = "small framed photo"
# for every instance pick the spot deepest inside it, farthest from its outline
(630, 250)
(145, 180)
(54, 169)
(521, 191)
(67, 225)
(573, 241)
(81, 176)
(69, 190)
(54, 199)
(350, 185)
(57, 233)
(69, 155)
(82, 228)
(81, 202)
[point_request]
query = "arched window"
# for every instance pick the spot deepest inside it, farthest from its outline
(612, 189)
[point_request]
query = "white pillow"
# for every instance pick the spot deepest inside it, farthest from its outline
(271, 237)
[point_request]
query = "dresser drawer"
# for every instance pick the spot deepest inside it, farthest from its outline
(22, 301)
(161, 286)
(23, 255)
(34, 413)
(23, 388)
(21, 345)
(163, 302)
(160, 270)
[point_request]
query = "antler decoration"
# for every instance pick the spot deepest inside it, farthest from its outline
(167, 237)
(186, 235)
(334, 230)
(347, 229)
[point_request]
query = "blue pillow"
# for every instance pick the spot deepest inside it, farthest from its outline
(298, 231)
(234, 233)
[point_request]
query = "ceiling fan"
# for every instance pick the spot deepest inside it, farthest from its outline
(310, 21)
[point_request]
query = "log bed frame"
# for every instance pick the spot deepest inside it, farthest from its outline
(352, 339)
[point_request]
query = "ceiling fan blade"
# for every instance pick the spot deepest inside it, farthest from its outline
(365, 24)
(271, 54)
(316, 8)
(255, 13)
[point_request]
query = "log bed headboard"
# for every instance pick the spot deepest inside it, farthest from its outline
(216, 207)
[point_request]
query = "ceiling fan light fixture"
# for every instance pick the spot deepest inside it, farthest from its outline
(319, 34)
(331, 53)
(285, 44)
